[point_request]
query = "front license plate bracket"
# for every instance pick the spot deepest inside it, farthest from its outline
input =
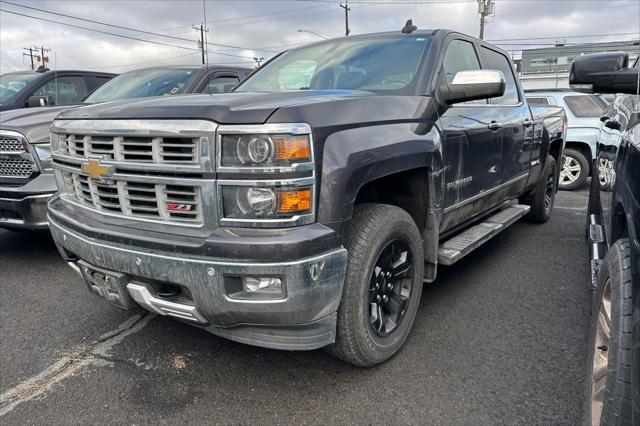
(108, 285)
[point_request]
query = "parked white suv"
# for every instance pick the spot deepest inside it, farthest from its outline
(583, 112)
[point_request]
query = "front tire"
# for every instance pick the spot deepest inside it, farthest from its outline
(574, 171)
(610, 342)
(382, 287)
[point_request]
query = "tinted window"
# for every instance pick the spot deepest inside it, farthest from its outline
(380, 64)
(221, 84)
(538, 101)
(10, 84)
(64, 90)
(141, 83)
(99, 81)
(585, 105)
(497, 61)
(460, 56)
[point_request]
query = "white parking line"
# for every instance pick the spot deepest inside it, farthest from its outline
(571, 209)
(69, 364)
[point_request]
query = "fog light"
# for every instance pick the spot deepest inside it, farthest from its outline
(262, 285)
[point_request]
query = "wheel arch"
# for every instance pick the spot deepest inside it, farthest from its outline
(556, 148)
(619, 225)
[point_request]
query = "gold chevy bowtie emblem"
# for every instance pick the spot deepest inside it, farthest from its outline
(95, 170)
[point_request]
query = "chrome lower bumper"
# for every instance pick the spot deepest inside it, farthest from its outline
(304, 319)
(24, 213)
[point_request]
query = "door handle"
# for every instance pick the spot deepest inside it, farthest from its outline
(527, 123)
(495, 126)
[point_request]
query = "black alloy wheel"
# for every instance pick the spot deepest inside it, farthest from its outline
(390, 287)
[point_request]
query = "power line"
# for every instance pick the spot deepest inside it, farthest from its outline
(557, 37)
(150, 62)
(97, 22)
(125, 36)
(97, 31)
(116, 26)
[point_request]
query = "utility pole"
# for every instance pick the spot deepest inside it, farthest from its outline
(485, 8)
(30, 55)
(42, 58)
(201, 42)
(347, 9)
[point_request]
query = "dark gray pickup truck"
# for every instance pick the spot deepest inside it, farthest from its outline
(306, 208)
(26, 178)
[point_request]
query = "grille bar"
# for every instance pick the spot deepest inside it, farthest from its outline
(146, 149)
(171, 203)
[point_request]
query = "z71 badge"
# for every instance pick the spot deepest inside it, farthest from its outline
(174, 207)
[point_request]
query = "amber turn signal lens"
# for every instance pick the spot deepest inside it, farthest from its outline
(292, 148)
(294, 201)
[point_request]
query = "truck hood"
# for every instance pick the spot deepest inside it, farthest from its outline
(313, 107)
(34, 123)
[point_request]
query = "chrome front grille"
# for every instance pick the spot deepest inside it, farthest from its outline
(140, 173)
(16, 168)
(146, 149)
(17, 163)
(175, 203)
(10, 144)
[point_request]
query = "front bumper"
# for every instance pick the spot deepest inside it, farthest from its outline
(304, 319)
(25, 206)
(24, 213)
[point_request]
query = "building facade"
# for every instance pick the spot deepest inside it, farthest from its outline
(549, 67)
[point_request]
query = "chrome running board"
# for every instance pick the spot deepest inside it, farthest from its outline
(454, 249)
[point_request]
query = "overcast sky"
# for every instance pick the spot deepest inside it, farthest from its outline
(263, 27)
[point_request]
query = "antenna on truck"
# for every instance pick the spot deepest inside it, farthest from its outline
(409, 27)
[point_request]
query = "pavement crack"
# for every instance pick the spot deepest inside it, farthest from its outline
(70, 363)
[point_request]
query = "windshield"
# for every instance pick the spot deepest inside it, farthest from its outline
(380, 64)
(142, 83)
(10, 84)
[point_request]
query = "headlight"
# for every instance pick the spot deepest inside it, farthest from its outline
(246, 202)
(264, 150)
(280, 156)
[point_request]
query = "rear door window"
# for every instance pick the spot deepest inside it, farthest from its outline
(497, 61)
(585, 105)
(68, 90)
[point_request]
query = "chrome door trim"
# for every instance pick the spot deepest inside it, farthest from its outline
(485, 193)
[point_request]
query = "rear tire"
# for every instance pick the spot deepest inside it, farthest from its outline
(574, 171)
(382, 287)
(608, 390)
(544, 194)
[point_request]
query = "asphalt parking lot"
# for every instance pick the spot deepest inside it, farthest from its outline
(499, 338)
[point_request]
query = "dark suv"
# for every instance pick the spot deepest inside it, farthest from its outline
(34, 89)
(613, 394)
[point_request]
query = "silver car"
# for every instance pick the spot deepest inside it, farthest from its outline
(583, 112)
